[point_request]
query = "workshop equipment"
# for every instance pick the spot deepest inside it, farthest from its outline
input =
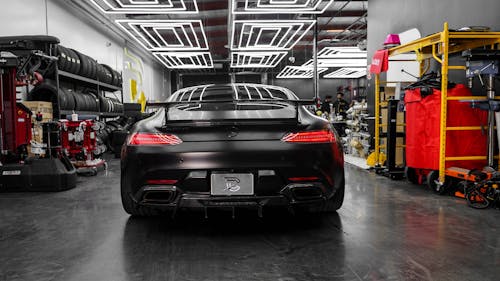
(18, 171)
(79, 142)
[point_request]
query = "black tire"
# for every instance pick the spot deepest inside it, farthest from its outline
(432, 177)
(84, 65)
(335, 202)
(78, 62)
(80, 103)
(101, 74)
(70, 100)
(108, 74)
(75, 62)
(476, 199)
(411, 175)
(63, 99)
(93, 68)
(61, 56)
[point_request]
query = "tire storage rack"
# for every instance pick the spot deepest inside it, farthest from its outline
(439, 46)
(79, 84)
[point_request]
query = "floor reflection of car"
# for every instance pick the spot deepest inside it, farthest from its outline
(232, 146)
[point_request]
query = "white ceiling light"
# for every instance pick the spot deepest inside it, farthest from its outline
(341, 52)
(281, 6)
(146, 7)
(167, 35)
(275, 35)
(256, 59)
(346, 73)
(338, 63)
(293, 72)
(185, 60)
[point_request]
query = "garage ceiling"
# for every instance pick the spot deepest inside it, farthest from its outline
(236, 35)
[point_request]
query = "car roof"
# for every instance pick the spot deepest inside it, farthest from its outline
(237, 91)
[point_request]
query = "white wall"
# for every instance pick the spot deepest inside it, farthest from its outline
(29, 17)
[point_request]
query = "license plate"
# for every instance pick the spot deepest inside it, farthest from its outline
(231, 184)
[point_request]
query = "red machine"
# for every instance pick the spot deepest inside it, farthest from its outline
(78, 140)
(15, 125)
(18, 172)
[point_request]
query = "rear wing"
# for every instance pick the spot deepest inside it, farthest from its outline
(170, 103)
(297, 103)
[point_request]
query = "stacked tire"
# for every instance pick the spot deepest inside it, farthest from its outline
(80, 64)
(111, 105)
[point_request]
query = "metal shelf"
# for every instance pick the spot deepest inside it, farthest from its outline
(437, 46)
(103, 86)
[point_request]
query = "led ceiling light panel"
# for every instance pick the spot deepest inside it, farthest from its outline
(256, 59)
(346, 73)
(341, 52)
(146, 6)
(185, 60)
(277, 35)
(167, 35)
(293, 72)
(338, 63)
(280, 6)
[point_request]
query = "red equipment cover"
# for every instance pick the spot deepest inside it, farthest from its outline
(422, 130)
(380, 61)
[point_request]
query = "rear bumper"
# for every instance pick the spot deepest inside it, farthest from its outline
(171, 197)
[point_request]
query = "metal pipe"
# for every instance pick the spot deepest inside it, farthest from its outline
(490, 93)
(315, 59)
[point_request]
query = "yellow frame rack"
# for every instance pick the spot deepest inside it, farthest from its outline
(440, 44)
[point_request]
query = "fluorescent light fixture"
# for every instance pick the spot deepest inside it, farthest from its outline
(185, 60)
(341, 52)
(280, 6)
(276, 35)
(256, 59)
(296, 72)
(167, 35)
(338, 63)
(346, 73)
(146, 7)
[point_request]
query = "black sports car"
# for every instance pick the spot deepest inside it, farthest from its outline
(231, 146)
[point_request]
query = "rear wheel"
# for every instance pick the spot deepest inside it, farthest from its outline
(336, 201)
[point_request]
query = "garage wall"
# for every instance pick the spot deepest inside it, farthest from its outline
(388, 16)
(53, 17)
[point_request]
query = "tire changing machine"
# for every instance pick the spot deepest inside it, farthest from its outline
(18, 172)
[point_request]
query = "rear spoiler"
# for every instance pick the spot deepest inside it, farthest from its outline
(170, 103)
(166, 105)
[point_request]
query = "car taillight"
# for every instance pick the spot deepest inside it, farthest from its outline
(323, 136)
(162, 181)
(302, 179)
(153, 139)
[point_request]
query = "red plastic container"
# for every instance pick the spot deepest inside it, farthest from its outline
(422, 130)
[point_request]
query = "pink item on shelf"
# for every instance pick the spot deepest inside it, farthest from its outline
(392, 39)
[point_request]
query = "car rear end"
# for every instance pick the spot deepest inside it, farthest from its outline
(252, 158)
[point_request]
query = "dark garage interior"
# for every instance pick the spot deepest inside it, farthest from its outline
(249, 140)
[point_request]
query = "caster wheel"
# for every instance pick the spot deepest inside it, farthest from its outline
(432, 179)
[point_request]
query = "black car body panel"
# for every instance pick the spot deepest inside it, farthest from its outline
(284, 173)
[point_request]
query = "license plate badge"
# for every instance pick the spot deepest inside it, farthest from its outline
(231, 184)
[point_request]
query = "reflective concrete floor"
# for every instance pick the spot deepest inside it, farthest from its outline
(387, 230)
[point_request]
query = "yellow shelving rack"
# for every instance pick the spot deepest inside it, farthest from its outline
(439, 46)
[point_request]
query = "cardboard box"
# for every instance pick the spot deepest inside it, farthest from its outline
(400, 119)
(400, 150)
(43, 107)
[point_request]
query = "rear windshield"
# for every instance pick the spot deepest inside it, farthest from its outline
(230, 102)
